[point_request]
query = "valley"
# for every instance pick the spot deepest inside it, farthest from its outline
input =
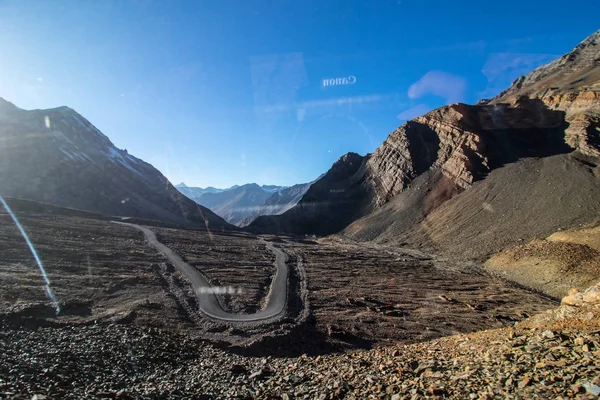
(352, 295)
(459, 259)
(130, 325)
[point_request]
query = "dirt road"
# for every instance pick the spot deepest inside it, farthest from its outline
(208, 302)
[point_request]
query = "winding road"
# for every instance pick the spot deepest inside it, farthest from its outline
(208, 302)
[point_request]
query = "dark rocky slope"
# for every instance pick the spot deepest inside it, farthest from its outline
(329, 205)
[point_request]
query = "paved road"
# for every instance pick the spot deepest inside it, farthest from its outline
(208, 303)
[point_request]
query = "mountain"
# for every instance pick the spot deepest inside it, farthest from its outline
(233, 204)
(279, 202)
(329, 204)
(570, 84)
(56, 156)
(196, 192)
(469, 180)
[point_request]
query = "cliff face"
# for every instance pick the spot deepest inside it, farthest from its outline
(465, 142)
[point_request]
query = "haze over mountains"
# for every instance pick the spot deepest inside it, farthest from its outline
(279, 202)
(240, 205)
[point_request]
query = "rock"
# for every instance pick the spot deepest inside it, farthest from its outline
(436, 390)
(295, 379)
(238, 369)
(591, 388)
(421, 368)
(592, 295)
(585, 348)
(524, 382)
(548, 334)
(578, 299)
(532, 347)
(257, 374)
(391, 389)
(577, 388)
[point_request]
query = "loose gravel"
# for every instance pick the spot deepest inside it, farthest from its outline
(553, 355)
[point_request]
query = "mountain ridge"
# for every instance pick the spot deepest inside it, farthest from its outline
(233, 204)
(57, 156)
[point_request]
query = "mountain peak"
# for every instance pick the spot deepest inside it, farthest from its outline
(575, 71)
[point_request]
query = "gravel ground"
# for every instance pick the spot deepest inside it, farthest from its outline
(553, 355)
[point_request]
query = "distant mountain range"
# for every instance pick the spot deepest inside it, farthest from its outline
(240, 205)
(279, 202)
(56, 156)
(195, 192)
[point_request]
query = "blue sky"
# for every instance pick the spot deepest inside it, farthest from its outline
(229, 92)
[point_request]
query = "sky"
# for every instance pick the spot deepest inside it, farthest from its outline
(217, 93)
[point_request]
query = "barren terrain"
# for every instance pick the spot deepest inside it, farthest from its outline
(129, 325)
(354, 295)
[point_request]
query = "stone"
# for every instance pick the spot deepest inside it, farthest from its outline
(436, 390)
(591, 388)
(238, 369)
(524, 382)
(548, 334)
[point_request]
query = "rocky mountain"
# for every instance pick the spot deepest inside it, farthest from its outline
(56, 156)
(570, 84)
(279, 202)
(472, 179)
(526, 165)
(329, 205)
(234, 204)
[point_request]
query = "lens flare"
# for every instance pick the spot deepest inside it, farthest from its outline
(49, 292)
